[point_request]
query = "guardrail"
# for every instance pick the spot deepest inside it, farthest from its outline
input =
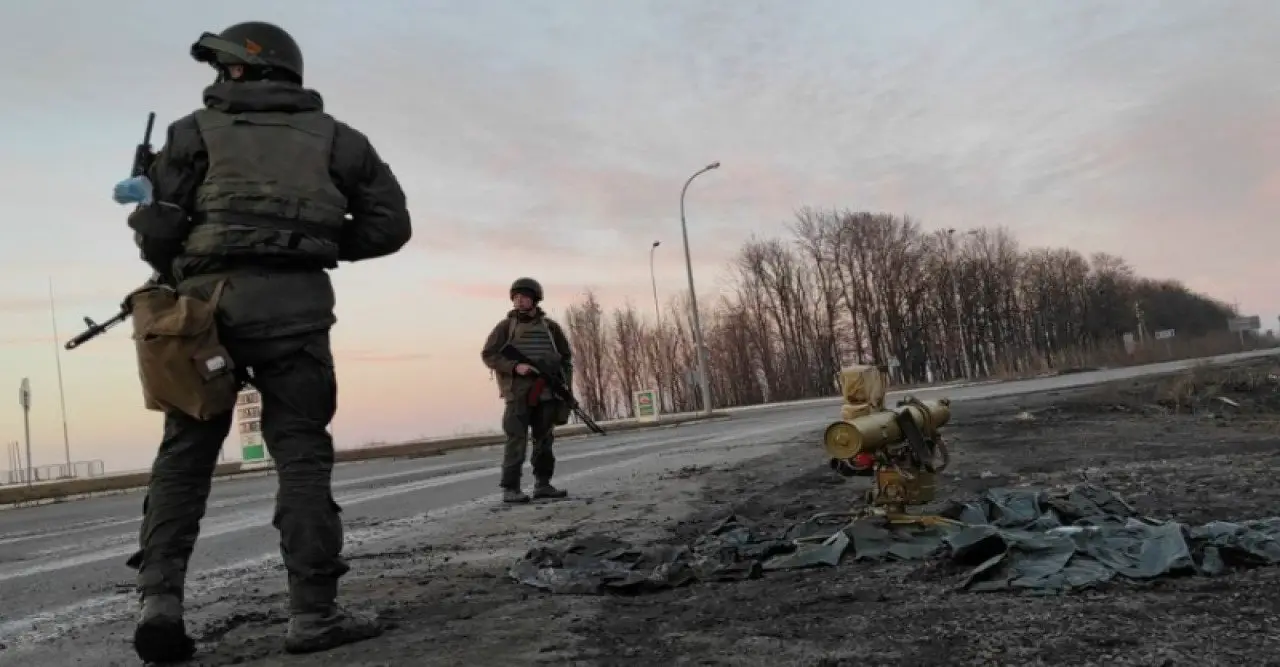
(54, 472)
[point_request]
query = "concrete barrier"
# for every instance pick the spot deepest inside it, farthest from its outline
(434, 447)
(75, 487)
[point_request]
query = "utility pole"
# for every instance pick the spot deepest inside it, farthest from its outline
(62, 395)
(703, 380)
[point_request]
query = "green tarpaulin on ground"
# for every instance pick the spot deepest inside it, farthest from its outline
(1028, 539)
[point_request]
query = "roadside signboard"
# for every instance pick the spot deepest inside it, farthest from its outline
(1240, 324)
(253, 449)
(646, 405)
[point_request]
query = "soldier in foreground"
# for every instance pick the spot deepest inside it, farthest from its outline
(530, 406)
(259, 192)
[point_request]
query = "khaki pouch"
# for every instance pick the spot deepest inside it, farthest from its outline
(181, 362)
(563, 412)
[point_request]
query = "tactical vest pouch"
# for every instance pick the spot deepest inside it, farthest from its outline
(182, 364)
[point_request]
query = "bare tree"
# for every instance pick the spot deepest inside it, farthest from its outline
(592, 367)
(628, 354)
(862, 287)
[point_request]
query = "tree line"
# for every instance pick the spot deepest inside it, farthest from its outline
(873, 288)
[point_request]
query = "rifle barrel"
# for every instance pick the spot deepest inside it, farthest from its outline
(94, 331)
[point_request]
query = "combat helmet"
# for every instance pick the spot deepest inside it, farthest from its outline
(264, 48)
(527, 286)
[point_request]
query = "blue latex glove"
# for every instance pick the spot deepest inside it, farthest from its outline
(136, 190)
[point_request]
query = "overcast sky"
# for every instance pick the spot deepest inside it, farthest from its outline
(550, 138)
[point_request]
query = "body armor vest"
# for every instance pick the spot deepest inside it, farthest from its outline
(534, 339)
(268, 190)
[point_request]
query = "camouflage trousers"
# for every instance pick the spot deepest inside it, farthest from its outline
(520, 421)
(296, 379)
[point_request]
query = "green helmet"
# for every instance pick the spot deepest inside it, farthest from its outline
(529, 287)
(254, 44)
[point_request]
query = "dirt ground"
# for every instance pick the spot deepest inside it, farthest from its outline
(1170, 446)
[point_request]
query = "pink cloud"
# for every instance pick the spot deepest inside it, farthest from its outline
(1073, 126)
(33, 304)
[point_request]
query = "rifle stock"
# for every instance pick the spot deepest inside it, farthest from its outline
(557, 385)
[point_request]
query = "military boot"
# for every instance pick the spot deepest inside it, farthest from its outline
(317, 623)
(313, 631)
(161, 634)
(545, 490)
(514, 496)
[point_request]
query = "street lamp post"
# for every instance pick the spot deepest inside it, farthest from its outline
(657, 313)
(704, 382)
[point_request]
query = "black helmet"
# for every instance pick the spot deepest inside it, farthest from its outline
(529, 287)
(255, 44)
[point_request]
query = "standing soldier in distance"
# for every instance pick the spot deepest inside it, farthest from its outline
(530, 406)
(265, 190)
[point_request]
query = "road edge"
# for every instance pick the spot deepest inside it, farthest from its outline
(22, 496)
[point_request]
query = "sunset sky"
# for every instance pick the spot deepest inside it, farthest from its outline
(551, 137)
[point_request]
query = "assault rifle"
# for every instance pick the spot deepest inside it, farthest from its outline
(555, 382)
(142, 159)
(142, 155)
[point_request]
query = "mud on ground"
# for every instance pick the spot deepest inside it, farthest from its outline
(1171, 446)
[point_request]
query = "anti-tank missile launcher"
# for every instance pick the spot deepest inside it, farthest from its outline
(900, 448)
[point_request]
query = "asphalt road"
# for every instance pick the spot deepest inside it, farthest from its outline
(64, 557)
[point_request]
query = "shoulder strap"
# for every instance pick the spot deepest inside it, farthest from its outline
(217, 293)
(550, 336)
